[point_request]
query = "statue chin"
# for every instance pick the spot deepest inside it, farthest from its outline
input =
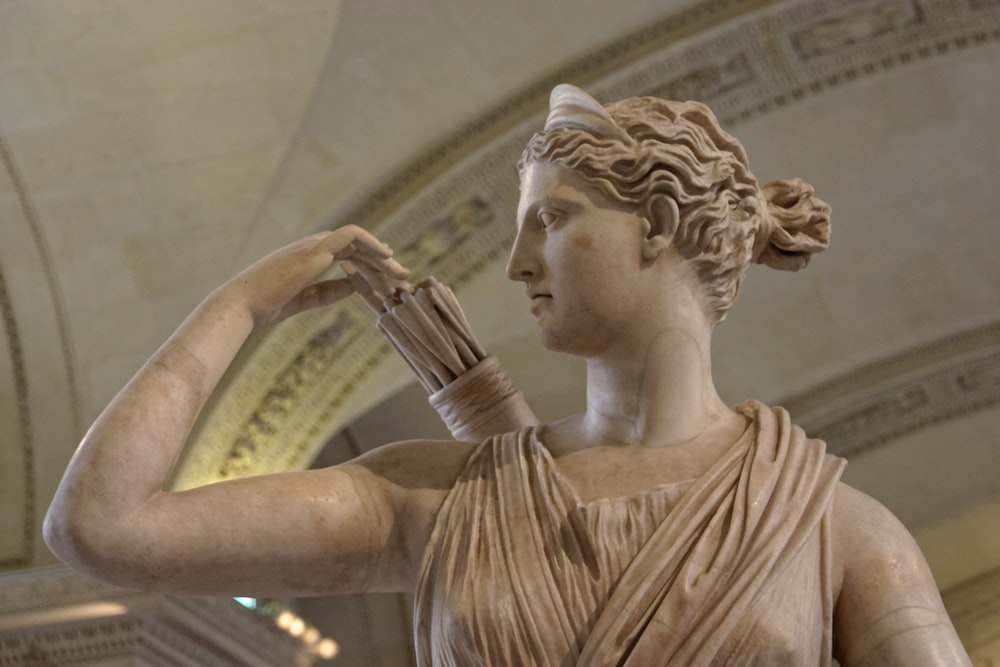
(561, 342)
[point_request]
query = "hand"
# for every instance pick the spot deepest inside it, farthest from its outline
(373, 288)
(282, 283)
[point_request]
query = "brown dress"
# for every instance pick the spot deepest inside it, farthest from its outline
(731, 568)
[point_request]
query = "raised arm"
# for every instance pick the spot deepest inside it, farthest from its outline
(341, 529)
(888, 611)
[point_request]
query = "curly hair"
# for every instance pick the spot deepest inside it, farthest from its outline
(641, 149)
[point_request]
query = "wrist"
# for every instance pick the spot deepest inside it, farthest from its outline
(207, 341)
(229, 306)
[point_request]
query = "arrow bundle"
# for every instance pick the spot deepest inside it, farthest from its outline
(428, 328)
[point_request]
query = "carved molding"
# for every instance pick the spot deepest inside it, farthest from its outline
(54, 616)
(49, 274)
(895, 396)
(42, 588)
(15, 346)
(137, 636)
(744, 63)
(705, 53)
(23, 429)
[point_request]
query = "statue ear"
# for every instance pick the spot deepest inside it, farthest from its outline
(663, 217)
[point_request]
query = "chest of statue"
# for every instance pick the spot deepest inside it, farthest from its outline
(521, 572)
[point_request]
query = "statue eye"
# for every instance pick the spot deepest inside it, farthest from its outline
(548, 218)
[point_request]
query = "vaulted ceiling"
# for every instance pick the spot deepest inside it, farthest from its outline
(149, 150)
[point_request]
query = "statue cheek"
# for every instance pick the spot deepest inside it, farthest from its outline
(584, 242)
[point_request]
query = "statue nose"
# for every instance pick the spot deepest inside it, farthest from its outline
(522, 263)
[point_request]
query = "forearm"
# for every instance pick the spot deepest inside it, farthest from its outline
(110, 515)
(129, 453)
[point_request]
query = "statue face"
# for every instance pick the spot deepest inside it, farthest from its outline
(579, 254)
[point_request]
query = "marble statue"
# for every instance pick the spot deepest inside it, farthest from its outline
(659, 526)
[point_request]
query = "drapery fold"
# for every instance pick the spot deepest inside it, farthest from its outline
(711, 571)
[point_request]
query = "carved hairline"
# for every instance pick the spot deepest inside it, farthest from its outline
(572, 108)
(786, 223)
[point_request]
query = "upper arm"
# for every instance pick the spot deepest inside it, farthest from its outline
(360, 526)
(888, 610)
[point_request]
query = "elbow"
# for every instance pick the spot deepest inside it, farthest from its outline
(103, 548)
(57, 532)
(67, 536)
(82, 543)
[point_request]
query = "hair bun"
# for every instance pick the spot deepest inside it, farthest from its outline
(796, 225)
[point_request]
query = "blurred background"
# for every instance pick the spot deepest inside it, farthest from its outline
(149, 151)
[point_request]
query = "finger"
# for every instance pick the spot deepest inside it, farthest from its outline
(356, 243)
(394, 269)
(363, 289)
(354, 236)
(364, 240)
(376, 279)
(360, 256)
(318, 294)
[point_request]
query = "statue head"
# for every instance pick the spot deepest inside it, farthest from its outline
(647, 152)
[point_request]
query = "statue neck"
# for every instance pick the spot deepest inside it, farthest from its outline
(658, 392)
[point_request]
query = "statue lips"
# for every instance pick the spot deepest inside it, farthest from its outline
(538, 300)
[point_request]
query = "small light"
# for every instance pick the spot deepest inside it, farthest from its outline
(327, 648)
(285, 620)
(297, 627)
(249, 603)
(311, 636)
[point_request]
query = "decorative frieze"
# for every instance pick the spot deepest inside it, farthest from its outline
(741, 62)
(55, 616)
(885, 400)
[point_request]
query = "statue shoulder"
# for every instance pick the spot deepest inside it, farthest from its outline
(401, 487)
(866, 536)
(417, 464)
(887, 608)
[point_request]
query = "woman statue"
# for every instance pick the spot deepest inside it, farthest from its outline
(658, 526)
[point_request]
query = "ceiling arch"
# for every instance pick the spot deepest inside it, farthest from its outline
(447, 212)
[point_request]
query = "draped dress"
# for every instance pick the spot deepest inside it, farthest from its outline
(731, 568)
